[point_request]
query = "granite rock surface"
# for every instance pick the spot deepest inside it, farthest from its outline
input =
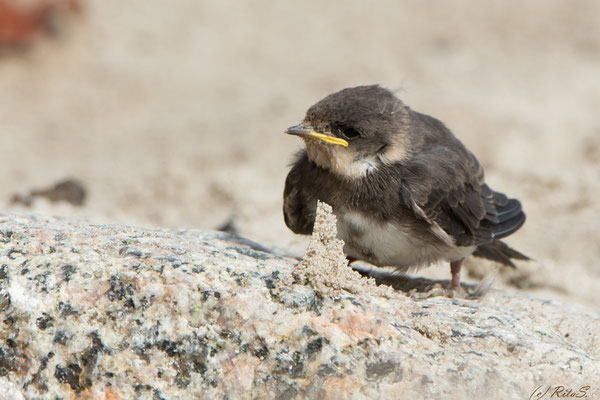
(93, 311)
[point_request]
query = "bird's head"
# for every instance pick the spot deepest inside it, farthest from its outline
(355, 130)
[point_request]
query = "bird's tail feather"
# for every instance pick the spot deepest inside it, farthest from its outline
(499, 251)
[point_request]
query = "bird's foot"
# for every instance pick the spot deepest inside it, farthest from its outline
(455, 267)
(437, 290)
(455, 289)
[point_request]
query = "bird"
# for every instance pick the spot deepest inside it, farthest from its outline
(405, 191)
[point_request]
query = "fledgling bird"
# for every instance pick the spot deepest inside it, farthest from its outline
(405, 191)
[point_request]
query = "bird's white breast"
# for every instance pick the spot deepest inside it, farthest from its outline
(391, 244)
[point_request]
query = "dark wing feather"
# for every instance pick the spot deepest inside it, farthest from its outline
(296, 213)
(445, 186)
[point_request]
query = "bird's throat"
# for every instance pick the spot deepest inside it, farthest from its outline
(341, 162)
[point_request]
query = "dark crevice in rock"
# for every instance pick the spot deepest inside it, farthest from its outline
(69, 375)
(68, 271)
(44, 322)
(65, 309)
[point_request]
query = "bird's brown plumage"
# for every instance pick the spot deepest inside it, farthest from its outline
(401, 168)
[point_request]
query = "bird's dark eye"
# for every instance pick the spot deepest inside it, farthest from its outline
(351, 133)
(347, 132)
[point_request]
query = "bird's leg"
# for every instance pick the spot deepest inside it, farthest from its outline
(455, 271)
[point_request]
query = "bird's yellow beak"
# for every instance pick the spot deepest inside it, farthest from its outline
(304, 131)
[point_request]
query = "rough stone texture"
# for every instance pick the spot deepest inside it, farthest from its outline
(172, 114)
(110, 312)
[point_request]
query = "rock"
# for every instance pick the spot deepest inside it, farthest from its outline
(20, 25)
(71, 191)
(111, 312)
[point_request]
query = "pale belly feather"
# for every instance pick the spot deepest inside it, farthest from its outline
(387, 244)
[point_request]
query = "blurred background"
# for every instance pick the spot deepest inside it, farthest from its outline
(171, 114)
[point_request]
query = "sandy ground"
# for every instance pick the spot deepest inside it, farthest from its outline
(172, 113)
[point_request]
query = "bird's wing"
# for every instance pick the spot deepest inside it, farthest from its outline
(445, 186)
(297, 213)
